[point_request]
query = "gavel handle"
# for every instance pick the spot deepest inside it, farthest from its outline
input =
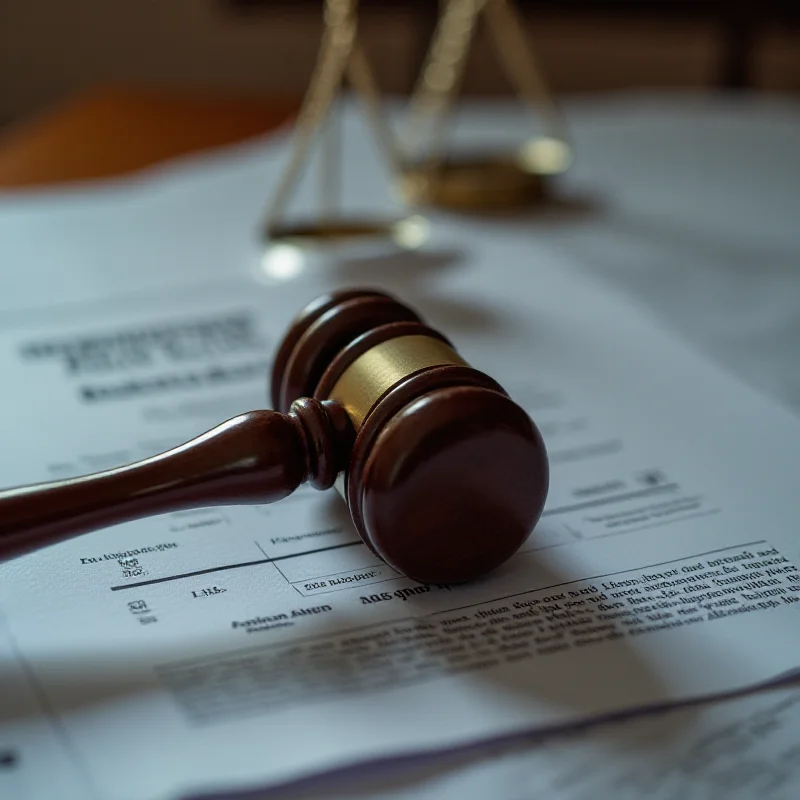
(258, 457)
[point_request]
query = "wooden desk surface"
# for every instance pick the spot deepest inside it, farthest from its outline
(115, 130)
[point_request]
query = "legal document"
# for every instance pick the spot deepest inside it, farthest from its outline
(248, 647)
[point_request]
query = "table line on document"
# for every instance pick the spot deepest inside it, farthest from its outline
(183, 575)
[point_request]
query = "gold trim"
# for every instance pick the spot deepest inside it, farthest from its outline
(361, 385)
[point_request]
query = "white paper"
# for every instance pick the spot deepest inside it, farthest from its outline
(663, 470)
(737, 749)
(90, 694)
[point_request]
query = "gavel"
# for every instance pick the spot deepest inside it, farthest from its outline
(444, 475)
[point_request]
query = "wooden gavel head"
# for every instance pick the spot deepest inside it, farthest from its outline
(446, 476)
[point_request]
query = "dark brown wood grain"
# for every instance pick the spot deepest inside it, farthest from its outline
(329, 333)
(453, 485)
(299, 325)
(475, 453)
(392, 403)
(258, 457)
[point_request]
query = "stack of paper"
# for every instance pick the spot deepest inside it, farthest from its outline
(247, 648)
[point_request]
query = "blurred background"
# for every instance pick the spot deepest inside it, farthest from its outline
(52, 49)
